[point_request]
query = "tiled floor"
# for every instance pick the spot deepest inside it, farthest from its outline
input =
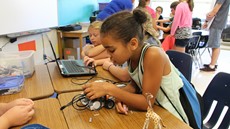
(201, 79)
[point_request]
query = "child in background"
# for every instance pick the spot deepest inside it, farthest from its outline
(150, 70)
(15, 113)
(98, 55)
(113, 7)
(144, 4)
(182, 24)
(168, 28)
(159, 11)
(151, 35)
(94, 52)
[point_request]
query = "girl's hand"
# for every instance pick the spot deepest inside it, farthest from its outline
(88, 60)
(18, 115)
(20, 102)
(121, 108)
(96, 89)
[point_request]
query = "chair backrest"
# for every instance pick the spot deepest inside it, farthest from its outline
(182, 61)
(217, 93)
(194, 41)
(203, 41)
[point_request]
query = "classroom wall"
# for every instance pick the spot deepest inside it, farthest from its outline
(42, 45)
(80, 13)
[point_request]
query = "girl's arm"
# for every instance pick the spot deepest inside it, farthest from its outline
(165, 29)
(86, 48)
(102, 55)
(3, 108)
(163, 20)
(95, 51)
(100, 62)
(117, 71)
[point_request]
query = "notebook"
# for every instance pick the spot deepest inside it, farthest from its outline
(69, 68)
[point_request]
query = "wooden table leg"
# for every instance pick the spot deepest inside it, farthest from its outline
(60, 44)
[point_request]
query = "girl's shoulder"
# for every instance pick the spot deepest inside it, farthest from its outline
(154, 52)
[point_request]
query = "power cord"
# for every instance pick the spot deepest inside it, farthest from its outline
(75, 80)
(12, 40)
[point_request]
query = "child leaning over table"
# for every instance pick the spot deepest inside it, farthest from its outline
(98, 55)
(15, 113)
(94, 52)
(150, 69)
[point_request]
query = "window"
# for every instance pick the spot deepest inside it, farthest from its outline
(198, 10)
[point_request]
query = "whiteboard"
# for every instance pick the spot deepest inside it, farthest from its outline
(26, 15)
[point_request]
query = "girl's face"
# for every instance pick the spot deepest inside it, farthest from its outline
(118, 50)
(158, 10)
(94, 36)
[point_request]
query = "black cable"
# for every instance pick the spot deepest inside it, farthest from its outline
(76, 102)
(88, 79)
(4, 45)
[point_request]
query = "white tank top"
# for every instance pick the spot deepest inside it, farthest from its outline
(170, 83)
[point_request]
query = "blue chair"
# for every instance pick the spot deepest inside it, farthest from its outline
(182, 61)
(193, 47)
(216, 103)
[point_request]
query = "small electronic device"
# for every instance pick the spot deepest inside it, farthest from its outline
(81, 102)
(69, 68)
(71, 27)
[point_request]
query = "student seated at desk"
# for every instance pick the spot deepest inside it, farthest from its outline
(94, 52)
(16, 112)
(150, 70)
(168, 28)
(98, 55)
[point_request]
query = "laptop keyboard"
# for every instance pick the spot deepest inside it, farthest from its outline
(72, 66)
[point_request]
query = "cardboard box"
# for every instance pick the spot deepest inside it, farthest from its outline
(70, 53)
(73, 43)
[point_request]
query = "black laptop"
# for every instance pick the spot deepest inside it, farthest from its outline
(70, 68)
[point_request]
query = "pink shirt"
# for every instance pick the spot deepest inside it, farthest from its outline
(182, 18)
(151, 11)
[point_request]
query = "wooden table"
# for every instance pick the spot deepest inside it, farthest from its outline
(37, 87)
(110, 119)
(71, 34)
(62, 84)
(48, 114)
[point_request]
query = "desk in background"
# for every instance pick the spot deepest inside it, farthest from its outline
(71, 34)
(48, 114)
(203, 32)
(110, 119)
(63, 84)
(37, 87)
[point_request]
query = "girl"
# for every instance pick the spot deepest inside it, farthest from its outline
(144, 4)
(95, 53)
(159, 11)
(150, 69)
(182, 23)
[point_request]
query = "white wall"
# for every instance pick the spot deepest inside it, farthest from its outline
(39, 38)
